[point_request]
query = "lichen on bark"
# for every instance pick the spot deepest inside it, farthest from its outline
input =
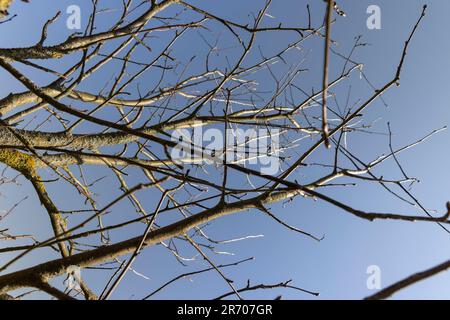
(20, 161)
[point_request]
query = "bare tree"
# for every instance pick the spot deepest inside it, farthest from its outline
(51, 134)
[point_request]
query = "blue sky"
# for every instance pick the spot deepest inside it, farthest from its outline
(335, 267)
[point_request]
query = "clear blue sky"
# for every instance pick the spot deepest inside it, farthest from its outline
(335, 267)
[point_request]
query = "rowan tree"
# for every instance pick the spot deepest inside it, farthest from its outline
(114, 97)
